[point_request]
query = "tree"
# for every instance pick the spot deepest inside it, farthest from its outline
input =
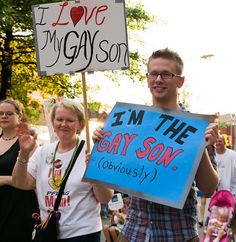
(183, 96)
(18, 70)
(137, 20)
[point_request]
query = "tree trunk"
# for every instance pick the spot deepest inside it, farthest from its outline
(6, 70)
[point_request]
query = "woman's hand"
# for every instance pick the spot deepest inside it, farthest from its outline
(26, 141)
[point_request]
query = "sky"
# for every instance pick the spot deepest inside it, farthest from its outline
(193, 29)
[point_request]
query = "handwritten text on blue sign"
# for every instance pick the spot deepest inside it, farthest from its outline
(149, 153)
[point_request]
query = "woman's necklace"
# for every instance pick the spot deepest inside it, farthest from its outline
(7, 139)
(55, 181)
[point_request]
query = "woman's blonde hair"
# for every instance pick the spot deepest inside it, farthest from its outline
(73, 106)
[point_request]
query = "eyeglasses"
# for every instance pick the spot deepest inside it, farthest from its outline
(7, 114)
(67, 121)
(165, 75)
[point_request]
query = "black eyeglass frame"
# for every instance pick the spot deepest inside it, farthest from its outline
(7, 114)
(169, 75)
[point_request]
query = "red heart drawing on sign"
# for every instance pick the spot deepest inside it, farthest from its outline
(76, 14)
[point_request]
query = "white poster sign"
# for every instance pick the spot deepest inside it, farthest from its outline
(47, 107)
(73, 36)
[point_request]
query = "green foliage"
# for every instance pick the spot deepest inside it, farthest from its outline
(19, 78)
(136, 17)
(184, 96)
(18, 70)
(222, 124)
(137, 20)
(137, 69)
(94, 105)
(16, 14)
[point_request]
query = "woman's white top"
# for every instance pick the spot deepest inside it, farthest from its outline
(80, 211)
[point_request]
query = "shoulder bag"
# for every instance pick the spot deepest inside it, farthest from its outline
(48, 230)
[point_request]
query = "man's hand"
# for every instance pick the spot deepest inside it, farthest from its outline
(211, 134)
(97, 134)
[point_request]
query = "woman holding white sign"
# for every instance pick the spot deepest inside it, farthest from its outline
(79, 208)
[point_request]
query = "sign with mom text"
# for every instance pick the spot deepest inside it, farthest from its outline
(78, 36)
(148, 152)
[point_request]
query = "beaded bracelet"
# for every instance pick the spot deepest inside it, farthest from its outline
(22, 161)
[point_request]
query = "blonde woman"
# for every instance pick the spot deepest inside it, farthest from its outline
(80, 207)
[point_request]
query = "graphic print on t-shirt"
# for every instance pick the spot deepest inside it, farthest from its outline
(55, 175)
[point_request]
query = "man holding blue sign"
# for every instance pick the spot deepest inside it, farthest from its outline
(150, 221)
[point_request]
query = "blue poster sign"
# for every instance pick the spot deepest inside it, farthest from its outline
(148, 152)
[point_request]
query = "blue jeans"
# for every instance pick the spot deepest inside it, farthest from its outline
(94, 237)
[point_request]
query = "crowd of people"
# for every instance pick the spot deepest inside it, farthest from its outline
(31, 175)
(118, 218)
(226, 165)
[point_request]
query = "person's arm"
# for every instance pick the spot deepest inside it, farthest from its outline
(6, 180)
(113, 218)
(102, 193)
(20, 177)
(207, 177)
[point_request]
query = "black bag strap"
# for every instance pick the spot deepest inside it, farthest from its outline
(63, 184)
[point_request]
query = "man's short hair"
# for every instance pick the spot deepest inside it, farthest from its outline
(170, 55)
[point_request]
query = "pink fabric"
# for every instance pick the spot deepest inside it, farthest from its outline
(222, 198)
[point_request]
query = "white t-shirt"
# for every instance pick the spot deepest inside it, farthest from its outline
(226, 164)
(120, 222)
(80, 211)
